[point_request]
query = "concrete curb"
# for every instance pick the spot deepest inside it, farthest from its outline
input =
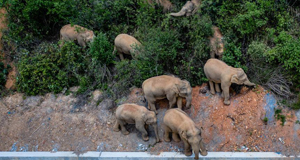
(136, 155)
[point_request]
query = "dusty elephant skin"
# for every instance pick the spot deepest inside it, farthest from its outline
(179, 123)
(138, 115)
(216, 44)
(190, 8)
(75, 32)
(219, 72)
(170, 87)
(125, 44)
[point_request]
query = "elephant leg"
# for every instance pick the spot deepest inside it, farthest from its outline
(152, 107)
(225, 93)
(123, 129)
(116, 126)
(121, 56)
(172, 100)
(140, 126)
(187, 148)
(217, 87)
(175, 137)
(167, 131)
(151, 104)
(179, 103)
(212, 89)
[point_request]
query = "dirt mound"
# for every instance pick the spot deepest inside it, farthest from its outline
(59, 123)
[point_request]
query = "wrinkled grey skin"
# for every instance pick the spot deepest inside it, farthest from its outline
(138, 115)
(219, 72)
(181, 125)
(190, 8)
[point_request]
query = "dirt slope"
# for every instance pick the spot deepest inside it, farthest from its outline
(59, 123)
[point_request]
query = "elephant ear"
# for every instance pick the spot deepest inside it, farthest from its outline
(182, 87)
(184, 135)
(148, 117)
(234, 79)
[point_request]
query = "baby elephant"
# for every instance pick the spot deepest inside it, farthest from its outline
(126, 44)
(170, 87)
(179, 123)
(217, 72)
(216, 44)
(76, 32)
(138, 115)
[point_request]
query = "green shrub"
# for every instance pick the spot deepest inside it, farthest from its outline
(101, 50)
(40, 72)
(286, 53)
(3, 73)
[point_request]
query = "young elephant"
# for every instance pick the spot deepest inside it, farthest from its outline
(76, 32)
(126, 44)
(170, 87)
(219, 72)
(179, 123)
(216, 44)
(138, 115)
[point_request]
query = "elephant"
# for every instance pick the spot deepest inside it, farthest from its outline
(170, 87)
(167, 5)
(75, 32)
(126, 44)
(217, 72)
(216, 44)
(190, 8)
(179, 123)
(135, 114)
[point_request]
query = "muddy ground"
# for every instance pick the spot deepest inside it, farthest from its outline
(60, 123)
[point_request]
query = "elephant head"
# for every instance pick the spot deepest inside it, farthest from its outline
(150, 119)
(193, 137)
(85, 37)
(190, 8)
(185, 91)
(241, 78)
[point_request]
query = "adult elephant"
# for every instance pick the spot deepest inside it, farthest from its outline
(170, 87)
(219, 72)
(190, 8)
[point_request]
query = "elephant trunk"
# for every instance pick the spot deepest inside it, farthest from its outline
(156, 132)
(189, 101)
(196, 150)
(178, 14)
(203, 150)
(248, 83)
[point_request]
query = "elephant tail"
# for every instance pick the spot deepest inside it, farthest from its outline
(114, 50)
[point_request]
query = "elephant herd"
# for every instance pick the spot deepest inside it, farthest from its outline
(175, 121)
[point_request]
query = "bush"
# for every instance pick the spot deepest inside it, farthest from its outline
(45, 71)
(3, 73)
(101, 50)
(286, 53)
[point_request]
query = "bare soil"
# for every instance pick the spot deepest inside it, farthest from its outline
(59, 123)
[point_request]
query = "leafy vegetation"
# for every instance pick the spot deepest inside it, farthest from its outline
(280, 116)
(261, 36)
(3, 74)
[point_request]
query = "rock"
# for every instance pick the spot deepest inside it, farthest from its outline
(97, 95)
(74, 89)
